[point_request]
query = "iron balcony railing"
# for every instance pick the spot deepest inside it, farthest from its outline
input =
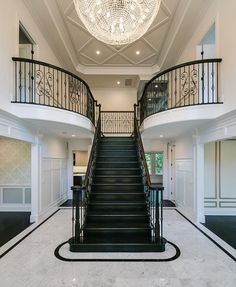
(188, 84)
(117, 122)
(40, 83)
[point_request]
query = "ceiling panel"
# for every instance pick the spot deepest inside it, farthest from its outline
(162, 16)
(118, 60)
(156, 37)
(143, 48)
(92, 47)
(86, 45)
(76, 34)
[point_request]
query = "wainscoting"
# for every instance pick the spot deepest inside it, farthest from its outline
(15, 198)
(184, 183)
(220, 179)
(54, 182)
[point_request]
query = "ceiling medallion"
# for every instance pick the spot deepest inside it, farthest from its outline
(117, 22)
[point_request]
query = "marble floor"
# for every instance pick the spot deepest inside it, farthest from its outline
(32, 262)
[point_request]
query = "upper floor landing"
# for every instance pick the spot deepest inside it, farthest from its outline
(185, 94)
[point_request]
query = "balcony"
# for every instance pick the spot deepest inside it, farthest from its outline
(181, 97)
(47, 93)
(187, 95)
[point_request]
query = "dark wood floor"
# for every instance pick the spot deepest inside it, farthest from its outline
(11, 224)
(224, 227)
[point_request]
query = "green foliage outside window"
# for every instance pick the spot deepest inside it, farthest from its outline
(154, 162)
(149, 161)
(159, 163)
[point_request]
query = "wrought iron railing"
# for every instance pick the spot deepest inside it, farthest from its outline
(117, 122)
(154, 195)
(81, 193)
(188, 84)
(40, 83)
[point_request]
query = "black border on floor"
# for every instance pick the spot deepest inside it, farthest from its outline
(211, 239)
(19, 241)
(58, 256)
(150, 260)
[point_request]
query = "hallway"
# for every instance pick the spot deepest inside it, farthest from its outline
(201, 263)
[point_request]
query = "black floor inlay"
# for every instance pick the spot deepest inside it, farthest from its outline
(67, 203)
(175, 256)
(223, 226)
(11, 224)
(168, 203)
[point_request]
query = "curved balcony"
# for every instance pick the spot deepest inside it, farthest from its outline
(191, 84)
(39, 83)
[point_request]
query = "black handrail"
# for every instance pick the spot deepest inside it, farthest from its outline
(41, 83)
(81, 193)
(154, 195)
(187, 84)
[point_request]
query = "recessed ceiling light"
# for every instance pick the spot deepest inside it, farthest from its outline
(98, 52)
(118, 82)
(161, 136)
(149, 99)
(137, 52)
(73, 136)
(156, 86)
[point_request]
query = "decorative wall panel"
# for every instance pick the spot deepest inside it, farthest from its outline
(15, 162)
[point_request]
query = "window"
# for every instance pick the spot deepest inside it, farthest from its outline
(159, 163)
(154, 162)
(148, 156)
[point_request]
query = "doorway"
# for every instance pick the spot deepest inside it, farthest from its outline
(26, 43)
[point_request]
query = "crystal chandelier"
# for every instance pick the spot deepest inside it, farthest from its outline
(117, 22)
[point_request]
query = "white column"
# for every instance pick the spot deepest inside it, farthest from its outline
(36, 151)
(198, 175)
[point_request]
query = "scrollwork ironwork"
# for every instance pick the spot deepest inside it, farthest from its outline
(189, 82)
(75, 91)
(44, 84)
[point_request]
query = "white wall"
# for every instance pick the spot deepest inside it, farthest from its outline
(184, 175)
(54, 172)
(116, 99)
(223, 14)
(11, 12)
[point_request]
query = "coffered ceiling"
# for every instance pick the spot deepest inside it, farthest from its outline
(142, 53)
(81, 53)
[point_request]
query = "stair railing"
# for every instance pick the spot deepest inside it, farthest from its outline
(81, 194)
(154, 195)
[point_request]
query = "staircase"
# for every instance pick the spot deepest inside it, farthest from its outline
(117, 217)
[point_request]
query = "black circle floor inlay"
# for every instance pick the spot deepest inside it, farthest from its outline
(57, 254)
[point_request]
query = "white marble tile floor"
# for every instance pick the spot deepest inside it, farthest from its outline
(32, 263)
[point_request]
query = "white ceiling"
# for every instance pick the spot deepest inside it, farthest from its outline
(86, 45)
(76, 48)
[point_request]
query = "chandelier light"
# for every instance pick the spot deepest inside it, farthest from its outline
(117, 22)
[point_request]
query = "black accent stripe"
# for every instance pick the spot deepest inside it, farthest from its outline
(212, 240)
(58, 256)
(19, 241)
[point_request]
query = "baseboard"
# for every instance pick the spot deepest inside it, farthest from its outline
(48, 210)
(15, 208)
